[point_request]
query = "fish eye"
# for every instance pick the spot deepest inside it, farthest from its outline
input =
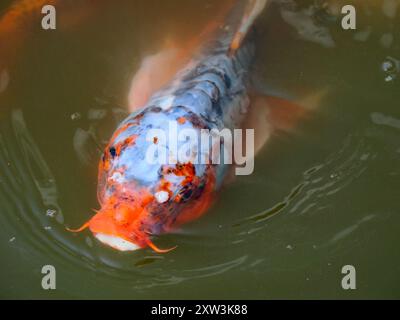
(113, 152)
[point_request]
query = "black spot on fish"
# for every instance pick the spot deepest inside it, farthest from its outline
(228, 82)
(186, 192)
(155, 109)
(186, 195)
(140, 115)
(217, 107)
(197, 121)
(215, 94)
(199, 190)
(113, 152)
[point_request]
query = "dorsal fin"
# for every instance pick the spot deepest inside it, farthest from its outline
(252, 10)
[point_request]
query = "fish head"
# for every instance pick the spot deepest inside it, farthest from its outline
(140, 198)
(120, 223)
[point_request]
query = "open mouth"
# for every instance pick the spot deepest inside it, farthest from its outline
(116, 242)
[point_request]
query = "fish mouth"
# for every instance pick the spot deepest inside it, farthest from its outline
(108, 232)
(116, 242)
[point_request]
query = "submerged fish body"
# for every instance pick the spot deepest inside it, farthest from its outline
(140, 199)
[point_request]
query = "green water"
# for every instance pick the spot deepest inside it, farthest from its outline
(321, 197)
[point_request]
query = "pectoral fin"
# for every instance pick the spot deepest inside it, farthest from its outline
(269, 114)
(154, 72)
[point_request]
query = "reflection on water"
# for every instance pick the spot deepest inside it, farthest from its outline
(320, 198)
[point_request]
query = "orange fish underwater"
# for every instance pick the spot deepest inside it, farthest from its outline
(201, 86)
(210, 91)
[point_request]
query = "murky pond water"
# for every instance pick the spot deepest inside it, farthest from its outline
(324, 196)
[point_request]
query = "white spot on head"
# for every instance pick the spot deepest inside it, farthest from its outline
(116, 242)
(117, 177)
(161, 196)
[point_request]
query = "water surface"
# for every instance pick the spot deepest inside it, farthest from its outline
(321, 197)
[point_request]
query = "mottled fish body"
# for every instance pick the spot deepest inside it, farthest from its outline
(140, 199)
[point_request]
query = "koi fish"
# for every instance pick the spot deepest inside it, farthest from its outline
(139, 199)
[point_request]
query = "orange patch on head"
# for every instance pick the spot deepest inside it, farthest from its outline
(181, 169)
(130, 140)
(103, 222)
(106, 164)
(119, 131)
(123, 144)
(123, 216)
